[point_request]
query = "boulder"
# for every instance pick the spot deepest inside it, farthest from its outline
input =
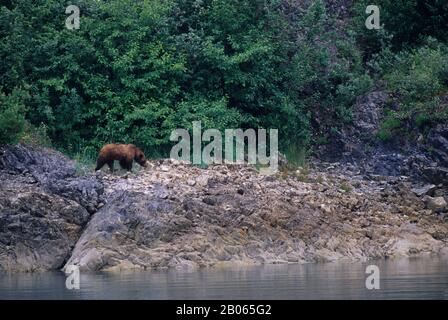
(435, 204)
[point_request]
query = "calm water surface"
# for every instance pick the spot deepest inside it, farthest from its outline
(419, 278)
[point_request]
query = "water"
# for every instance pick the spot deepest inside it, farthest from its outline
(419, 278)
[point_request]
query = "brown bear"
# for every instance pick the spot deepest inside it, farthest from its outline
(124, 153)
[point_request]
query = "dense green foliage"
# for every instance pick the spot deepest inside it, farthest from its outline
(12, 116)
(405, 23)
(135, 70)
(409, 56)
(418, 81)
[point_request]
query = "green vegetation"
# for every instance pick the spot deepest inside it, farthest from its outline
(137, 69)
(389, 128)
(407, 23)
(346, 187)
(416, 79)
(12, 116)
(409, 56)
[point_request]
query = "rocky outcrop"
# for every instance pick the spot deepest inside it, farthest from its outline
(354, 143)
(43, 208)
(424, 160)
(437, 146)
(175, 215)
(37, 229)
(437, 141)
(368, 112)
(54, 172)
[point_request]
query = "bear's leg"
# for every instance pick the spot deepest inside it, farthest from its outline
(111, 166)
(126, 165)
(99, 164)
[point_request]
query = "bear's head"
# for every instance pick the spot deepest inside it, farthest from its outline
(140, 158)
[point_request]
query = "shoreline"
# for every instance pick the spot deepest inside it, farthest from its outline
(176, 216)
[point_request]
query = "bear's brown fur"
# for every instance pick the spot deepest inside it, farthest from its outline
(124, 153)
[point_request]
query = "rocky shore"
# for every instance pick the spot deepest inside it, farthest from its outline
(173, 215)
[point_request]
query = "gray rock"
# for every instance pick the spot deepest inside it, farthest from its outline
(438, 142)
(436, 175)
(275, 220)
(124, 231)
(37, 229)
(43, 163)
(425, 190)
(436, 204)
(424, 160)
(54, 172)
(87, 191)
(367, 111)
(43, 207)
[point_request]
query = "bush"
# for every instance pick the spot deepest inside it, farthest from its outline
(389, 129)
(417, 80)
(12, 120)
(135, 70)
(35, 135)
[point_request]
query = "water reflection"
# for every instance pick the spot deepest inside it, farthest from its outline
(420, 278)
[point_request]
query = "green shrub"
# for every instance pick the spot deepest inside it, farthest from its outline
(35, 135)
(12, 120)
(296, 156)
(416, 75)
(416, 78)
(389, 129)
(422, 121)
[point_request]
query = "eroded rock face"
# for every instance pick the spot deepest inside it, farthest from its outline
(353, 143)
(37, 230)
(42, 163)
(44, 207)
(126, 230)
